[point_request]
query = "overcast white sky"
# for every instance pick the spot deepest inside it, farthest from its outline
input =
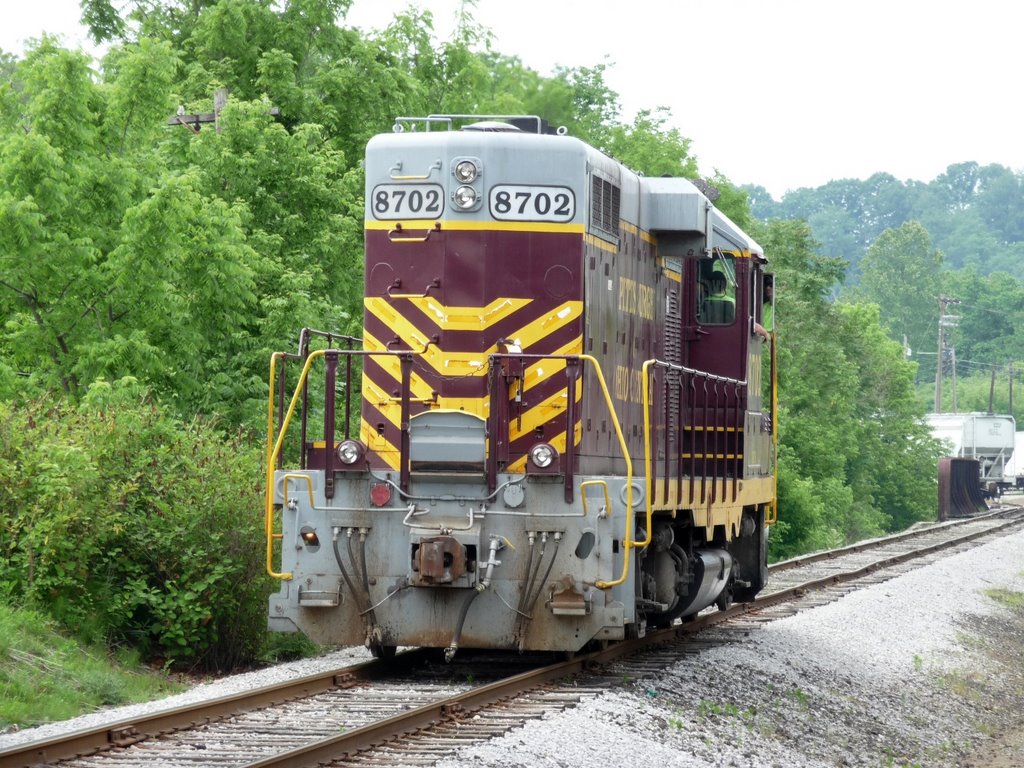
(781, 93)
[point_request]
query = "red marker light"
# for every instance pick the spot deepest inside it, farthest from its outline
(380, 494)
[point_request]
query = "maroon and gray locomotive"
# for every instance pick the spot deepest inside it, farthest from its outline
(554, 430)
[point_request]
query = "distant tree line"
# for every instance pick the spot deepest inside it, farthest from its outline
(974, 214)
(916, 247)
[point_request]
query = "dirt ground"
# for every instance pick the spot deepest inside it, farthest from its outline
(1002, 640)
(1007, 752)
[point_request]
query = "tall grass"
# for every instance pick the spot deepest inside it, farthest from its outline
(47, 676)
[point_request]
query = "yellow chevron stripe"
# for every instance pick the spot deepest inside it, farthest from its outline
(467, 318)
(536, 374)
(447, 364)
(406, 331)
(379, 444)
(391, 364)
(533, 332)
(452, 364)
(466, 363)
(390, 406)
(541, 413)
(543, 370)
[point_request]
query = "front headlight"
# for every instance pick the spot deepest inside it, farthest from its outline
(543, 455)
(465, 197)
(466, 171)
(350, 452)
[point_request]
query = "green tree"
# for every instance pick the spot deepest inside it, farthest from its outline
(81, 158)
(300, 208)
(855, 459)
(893, 472)
(114, 261)
(815, 393)
(649, 146)
(901, 273)
(990, 331)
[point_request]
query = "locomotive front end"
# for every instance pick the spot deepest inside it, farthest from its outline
(535, 315)
(456, 515)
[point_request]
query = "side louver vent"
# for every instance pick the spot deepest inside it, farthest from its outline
(604, 207)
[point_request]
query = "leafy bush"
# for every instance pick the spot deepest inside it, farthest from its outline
(128, 526)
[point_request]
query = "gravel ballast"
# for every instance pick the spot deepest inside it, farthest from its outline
(923, 669)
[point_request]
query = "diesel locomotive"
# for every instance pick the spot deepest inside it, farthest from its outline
(557, 427)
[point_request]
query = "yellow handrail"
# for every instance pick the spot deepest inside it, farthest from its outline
(274, 449)
(648, 505)
(627, 539)
(296, 476)
(773, 512)
(583, 495)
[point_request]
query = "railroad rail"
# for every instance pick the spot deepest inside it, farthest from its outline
(365, 714)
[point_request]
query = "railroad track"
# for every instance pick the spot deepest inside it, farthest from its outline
(415, 710)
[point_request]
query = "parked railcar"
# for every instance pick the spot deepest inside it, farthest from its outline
(987, 438)
(565, 435)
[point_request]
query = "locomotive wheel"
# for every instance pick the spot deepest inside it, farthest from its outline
(383, 651)
(724, 600)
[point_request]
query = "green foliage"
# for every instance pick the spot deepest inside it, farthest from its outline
(131, 248)
(72, 173)
(102, 19)
(287, 646)
(991, 311)
(804, 514)
(894, 468)
(1012, 599)
(127, 526)
(972, 213)
(855, 458)
(648, 146)
(961, 234)
(901, 273)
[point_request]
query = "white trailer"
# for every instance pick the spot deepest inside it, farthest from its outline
(1015, 466)
(987, 437)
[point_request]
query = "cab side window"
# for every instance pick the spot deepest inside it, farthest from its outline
(716, 291)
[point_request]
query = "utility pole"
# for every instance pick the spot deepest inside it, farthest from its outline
(992, 391)
(193, 122)
(945, 321)
(952, 362)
